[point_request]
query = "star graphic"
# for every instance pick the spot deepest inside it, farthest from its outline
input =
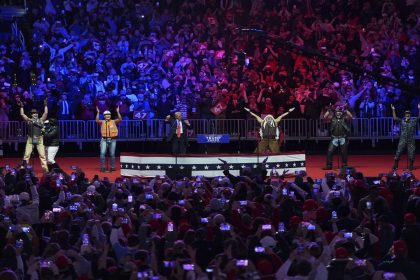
(181, 167)
(267, 166)
(138, 166)
(243, 166)
(121, 165)
(255, 166)
(170, 166)
(231, 166)
(206, 167)
(301, 164)
(294, 164)
(194, 167)
(287, 165)
(218, 167)
(132, 166)
(147, 167)
(159, 167)
(277, 165)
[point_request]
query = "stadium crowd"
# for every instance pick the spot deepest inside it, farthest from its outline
(155, 57)
(260, 225)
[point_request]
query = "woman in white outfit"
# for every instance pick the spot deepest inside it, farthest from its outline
(51, 142)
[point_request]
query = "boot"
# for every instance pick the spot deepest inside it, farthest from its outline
(395, 166)
(50, 166)
(411, 165)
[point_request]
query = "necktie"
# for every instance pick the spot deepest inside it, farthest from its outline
(178, 129)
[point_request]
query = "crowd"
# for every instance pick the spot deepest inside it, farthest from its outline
(260, 225)
(154, 57)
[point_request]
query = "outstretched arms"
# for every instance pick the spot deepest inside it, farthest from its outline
(22, 113)
(278, 119)
(45, 114)
(119, 118)
(394, 115)
(254, 115)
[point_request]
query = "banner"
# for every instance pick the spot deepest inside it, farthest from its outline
(206, 165)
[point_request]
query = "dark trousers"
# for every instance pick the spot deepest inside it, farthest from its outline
(179, 145)
(404, 143)
(342, 151)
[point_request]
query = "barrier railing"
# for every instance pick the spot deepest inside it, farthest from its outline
(239, 129)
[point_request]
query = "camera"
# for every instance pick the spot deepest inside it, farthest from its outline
(348, 235)
(243, 202)
(204, 220)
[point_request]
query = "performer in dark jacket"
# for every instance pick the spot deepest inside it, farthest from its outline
(51, 142)
(178, 133)
(408, 129)
(340, 130)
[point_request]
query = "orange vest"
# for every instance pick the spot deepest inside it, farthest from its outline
(109, 129)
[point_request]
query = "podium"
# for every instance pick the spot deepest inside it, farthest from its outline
(214, 139)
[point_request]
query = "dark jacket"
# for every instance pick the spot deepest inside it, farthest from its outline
(51, 136)
(172, 132)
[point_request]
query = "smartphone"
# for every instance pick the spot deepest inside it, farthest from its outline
(292, 194)
(7, 167)
(73, 208)
(284, 191)
(19, 243)
(377, 182)
(389, 275)
(130, 199)
(25, 229)
(243, 202)
(224, 227)
(157, 216)
(204, 220)
(281, 227)
(125, 221)
(45, 264)
(170, 226)
(142, 206)
(242, 262)
(85, 239)
(266, 227)
(348, 234)
(73, 167)
(168, 264)
(73, 176)
(334, 214)
(114, 207)
(188, 266)
(368, 205)
(259, 249)
(58, 183)
(360, 262)
(311, 227)
(181, 202)
(149, 196)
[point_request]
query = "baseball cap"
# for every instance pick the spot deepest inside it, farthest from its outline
(107, 112)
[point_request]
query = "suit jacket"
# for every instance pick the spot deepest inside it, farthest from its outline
(172, 131)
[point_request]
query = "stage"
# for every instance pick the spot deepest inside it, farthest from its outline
(370, 165)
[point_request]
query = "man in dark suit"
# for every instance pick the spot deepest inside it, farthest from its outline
(178, 133)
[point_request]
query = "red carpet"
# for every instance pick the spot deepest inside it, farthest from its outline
(370, 165)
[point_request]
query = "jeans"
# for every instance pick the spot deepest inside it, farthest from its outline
(109, 144)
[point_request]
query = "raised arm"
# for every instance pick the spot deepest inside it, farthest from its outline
(45, 114)
(349, 115)
(278, 119)
(394, 115)
(97, 115)
(119, 118)
(22, 113)
(254, 115)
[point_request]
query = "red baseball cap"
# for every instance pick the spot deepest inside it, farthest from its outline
(410, 218)
(341, 253)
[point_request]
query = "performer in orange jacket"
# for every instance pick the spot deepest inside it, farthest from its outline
(109, 133)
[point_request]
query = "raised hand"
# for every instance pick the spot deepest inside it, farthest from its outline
(246, 109)
(117, 109)
(392, 107)
(291, 109)
(97, 109)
